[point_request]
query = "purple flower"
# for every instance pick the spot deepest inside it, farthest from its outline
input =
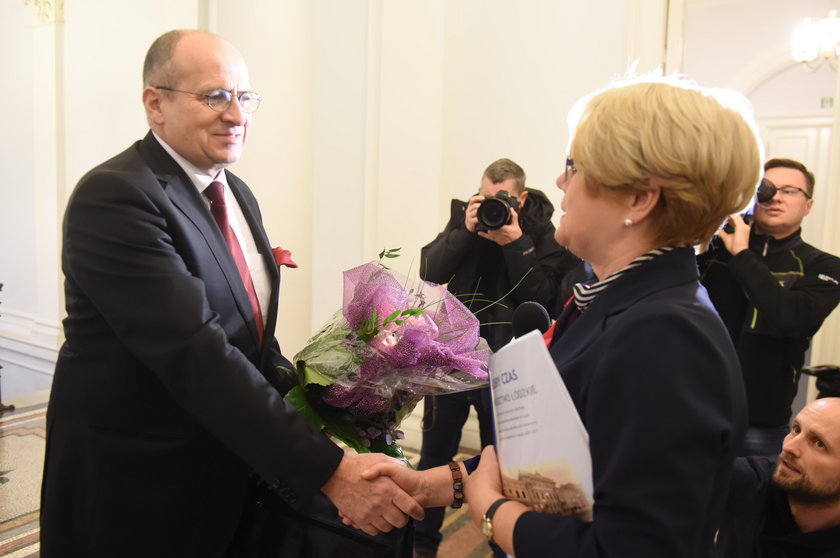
(423, 341)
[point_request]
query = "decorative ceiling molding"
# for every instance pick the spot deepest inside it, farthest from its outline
(46, 12)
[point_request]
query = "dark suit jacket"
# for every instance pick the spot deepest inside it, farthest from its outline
(655, 378)
(163, 403)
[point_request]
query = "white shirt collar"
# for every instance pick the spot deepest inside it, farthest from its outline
(256, 265)
(199, 179)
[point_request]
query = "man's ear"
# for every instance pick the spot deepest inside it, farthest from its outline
(808, 204)
(152, 98)
(522, 197)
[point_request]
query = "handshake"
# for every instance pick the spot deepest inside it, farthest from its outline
(376, 493)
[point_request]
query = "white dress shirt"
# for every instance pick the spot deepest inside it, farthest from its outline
(256, 263)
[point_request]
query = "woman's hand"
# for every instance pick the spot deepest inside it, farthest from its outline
(484, 488)
(485, 484)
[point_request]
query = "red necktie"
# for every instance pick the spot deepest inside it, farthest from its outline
(216, 194)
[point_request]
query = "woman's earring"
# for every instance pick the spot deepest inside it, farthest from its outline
(628, 222)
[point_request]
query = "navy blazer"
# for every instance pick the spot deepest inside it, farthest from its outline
(163, 401)
(656, 381)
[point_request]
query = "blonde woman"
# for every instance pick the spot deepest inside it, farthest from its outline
(654, 168)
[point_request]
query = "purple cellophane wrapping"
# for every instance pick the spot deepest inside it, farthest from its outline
(437, 352)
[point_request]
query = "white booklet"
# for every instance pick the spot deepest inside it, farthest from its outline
(542, 445)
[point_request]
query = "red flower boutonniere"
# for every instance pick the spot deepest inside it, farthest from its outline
(283, 257)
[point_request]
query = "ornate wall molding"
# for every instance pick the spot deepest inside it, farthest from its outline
(29, 341)
(46, 12)
(28, 352)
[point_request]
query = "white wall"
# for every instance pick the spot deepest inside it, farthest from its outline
(412, 101)
(29, 321)
(375, 114)
(75, 78)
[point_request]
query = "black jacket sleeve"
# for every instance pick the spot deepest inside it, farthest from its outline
(799, 310)
(126, 257)
(441, 258)
(536, 264)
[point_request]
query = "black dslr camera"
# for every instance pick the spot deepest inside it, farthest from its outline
(494, 211)
(766, 191)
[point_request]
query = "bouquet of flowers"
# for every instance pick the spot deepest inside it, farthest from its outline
(390, 344)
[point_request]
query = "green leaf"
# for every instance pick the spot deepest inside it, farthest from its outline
(328, 366)
(330, 336)
(388, 253)
(327, 358)
(368, 329)
(391, 450)
(347, 433)
(311, 375)
(297, 398)
(391, 317)
(340, 425)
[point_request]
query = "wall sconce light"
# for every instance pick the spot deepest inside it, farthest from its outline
(814, 43)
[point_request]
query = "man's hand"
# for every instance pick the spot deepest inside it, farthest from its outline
(373, 506)
(507, 233)
(738, 240)
(430, 488)
(471, 215)
(501, 236)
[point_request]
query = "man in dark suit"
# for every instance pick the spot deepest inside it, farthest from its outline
(166, 406)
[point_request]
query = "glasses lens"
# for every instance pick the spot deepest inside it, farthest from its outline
(219, 99)
(249, 101)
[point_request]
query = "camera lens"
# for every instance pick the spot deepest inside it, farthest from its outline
(493, 213)
(766, 191)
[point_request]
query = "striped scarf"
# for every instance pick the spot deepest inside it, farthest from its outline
(585, 294)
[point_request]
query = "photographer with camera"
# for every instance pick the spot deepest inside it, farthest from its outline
(773, 292)
(496, 252)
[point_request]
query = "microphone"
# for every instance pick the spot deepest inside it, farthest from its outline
(529, 316)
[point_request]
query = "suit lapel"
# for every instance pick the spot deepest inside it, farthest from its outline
(251, 213)
(663, 272)
(183, 194)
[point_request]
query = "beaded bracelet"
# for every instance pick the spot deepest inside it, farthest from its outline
(457, 485)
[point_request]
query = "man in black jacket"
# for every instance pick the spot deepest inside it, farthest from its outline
(773, 292)
(492, 272)
(792, 510)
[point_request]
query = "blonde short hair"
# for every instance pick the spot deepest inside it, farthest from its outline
(701, 146)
